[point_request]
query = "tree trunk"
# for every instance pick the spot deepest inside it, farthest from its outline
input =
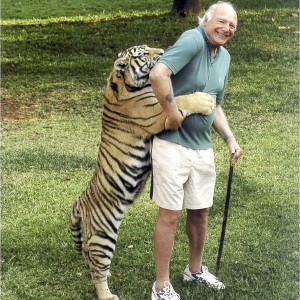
(187, 7)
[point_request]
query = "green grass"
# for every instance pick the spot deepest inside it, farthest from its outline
(55, 61)
(43, 9)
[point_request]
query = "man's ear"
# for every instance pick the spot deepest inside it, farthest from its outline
(121, 64)
(205, 20)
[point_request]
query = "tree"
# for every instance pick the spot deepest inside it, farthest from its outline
(187, 7)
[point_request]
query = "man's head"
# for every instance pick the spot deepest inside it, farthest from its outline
(219, 23)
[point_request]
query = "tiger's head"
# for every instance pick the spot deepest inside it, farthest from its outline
(135, 64)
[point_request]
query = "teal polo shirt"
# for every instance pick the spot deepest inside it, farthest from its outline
(195, 70)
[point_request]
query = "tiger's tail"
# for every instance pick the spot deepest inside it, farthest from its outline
(76, 228)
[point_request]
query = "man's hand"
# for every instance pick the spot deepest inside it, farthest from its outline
(173, 122)
(235, 151)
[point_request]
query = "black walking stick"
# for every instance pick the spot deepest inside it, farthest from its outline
(226, 210)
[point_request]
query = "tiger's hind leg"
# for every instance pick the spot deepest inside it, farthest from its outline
(98, 247)
(99, 251)
(103, 291)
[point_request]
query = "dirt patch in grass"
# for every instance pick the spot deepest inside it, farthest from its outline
(11, 111)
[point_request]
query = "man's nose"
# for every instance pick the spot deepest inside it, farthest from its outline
(226, 27)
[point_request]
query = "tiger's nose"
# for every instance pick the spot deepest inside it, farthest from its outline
(155, 51)
(159, 52)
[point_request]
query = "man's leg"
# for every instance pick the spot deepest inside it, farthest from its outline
(196, 229)
(164, 235)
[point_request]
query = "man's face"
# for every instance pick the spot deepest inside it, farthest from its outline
(221, 27)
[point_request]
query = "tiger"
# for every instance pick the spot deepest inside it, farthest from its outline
(131, 115)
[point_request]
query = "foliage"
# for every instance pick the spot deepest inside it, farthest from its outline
(54, 70)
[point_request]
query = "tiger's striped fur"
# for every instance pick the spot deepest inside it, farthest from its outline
(131, 115)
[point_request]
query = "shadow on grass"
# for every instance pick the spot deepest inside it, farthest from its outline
(28, 160)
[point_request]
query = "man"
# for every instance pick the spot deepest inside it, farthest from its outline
(183, 161)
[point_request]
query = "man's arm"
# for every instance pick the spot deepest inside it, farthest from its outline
(221, 125)
(162, 87)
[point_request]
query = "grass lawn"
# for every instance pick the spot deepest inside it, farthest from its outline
(55, 61)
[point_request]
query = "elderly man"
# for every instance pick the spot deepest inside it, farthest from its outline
(183, 160)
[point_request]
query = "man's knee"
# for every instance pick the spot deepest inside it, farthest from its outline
(169, 217)
(197, 213)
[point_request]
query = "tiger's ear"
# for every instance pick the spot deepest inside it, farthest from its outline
(121, 64)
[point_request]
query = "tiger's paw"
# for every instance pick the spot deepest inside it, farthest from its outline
(103, 291)
(198, 102)
(113, 297)
(204, 103)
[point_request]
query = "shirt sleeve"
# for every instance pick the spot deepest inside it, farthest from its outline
(185, 48)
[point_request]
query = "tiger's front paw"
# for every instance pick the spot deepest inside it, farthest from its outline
(204, 103)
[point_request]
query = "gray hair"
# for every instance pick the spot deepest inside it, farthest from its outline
(210, 12)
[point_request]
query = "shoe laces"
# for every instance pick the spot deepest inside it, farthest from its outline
(207, 274)
(207, 277)
(169, 292)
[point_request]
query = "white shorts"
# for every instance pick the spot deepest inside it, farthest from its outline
(182, 177)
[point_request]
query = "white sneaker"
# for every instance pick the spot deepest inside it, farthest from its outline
(204, 277)
(166, 293)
